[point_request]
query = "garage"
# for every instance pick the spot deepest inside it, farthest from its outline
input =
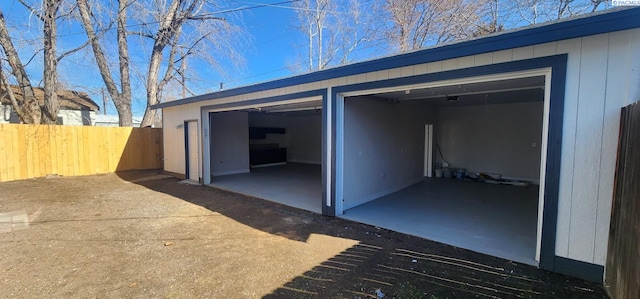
(272, 152)
(396, 141)
(529, 117)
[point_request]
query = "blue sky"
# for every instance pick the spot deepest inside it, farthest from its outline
(273, 39)
(271, 47)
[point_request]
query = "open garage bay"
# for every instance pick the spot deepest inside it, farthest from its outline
(492, 219)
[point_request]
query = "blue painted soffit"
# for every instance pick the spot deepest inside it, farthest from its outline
(580, 26)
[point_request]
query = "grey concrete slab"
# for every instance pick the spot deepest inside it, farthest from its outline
(493, 219)
(294, 184)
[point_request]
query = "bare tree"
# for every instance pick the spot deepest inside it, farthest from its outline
(493, 20)
(356, 28)
(595, 4)
(179, 30)
(49, 13)
(312, 17)
(170, 31)
(50, 29)
(121, 97)
(419, 23)
(536, 11)
(168, 34)
(332, 31)
(27, 107)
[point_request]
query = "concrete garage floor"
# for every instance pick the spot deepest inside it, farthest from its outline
(294, 184)
(498, 220)
(492, 219)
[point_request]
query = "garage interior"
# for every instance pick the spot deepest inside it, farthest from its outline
(271, 152)
(494, 128)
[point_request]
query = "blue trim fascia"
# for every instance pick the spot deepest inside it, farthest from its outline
(598, 23)
(558, 66)
(186, 149)
(333, 136)
(583, 270)
(553, 163)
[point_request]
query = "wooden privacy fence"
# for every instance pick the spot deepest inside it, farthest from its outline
(623, 256)
(29, 151)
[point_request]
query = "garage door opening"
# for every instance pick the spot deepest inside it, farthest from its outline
(492, 130)
(273, 152)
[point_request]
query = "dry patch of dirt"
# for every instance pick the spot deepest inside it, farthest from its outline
(142, 235)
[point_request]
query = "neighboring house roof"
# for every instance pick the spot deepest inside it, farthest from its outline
(114, 119)
(67, 99)
(584, 25)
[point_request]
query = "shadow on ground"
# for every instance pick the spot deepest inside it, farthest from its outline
(398, 265)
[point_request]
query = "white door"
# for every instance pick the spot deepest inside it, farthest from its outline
(192, 145)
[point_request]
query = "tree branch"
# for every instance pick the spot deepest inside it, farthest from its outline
(67, 53)
(171, 61)
(32, 10)
(33, 56)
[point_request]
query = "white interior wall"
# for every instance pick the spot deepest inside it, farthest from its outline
(303, 137)
(501, 138)
(383, 147)
(229, 143)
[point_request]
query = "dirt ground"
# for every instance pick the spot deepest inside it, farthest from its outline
(139, 235)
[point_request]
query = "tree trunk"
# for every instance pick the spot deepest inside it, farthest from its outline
(50, 107)
(310, 47)
(319, 29)
(124, 114)
(122, 101)
(168, 27)
(28, 105)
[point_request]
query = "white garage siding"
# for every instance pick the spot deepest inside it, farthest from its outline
(173, 119)
(599, 83)
(603, 75)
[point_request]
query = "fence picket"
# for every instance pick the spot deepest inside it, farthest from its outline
(28, 151)
(623, 256)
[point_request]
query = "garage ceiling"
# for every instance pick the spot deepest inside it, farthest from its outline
(529, 89)
(495, 92)
(292, 107)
